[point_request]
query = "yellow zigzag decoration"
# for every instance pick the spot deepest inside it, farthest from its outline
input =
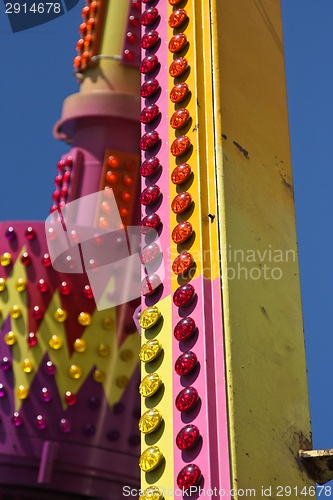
(118, 366)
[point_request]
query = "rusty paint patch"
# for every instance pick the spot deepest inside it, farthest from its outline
(242, 150)
(264, 312)
(286, 183)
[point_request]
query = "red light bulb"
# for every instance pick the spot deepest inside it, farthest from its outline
(69, 161)
(149, 195)
(46, 260)
(149, 140)
(32, 339)
(56, 195)
(65, 288)
(61, 165)
(149, 113)
(187, 437)
(25, 259)
(149, 16)
(149, 87)
(148, 64)
(128, 55)
(37, 313)
(149, 222)
(136, 4)
(67, 176)
(185, 363)
(30, 234)
(187, 399)
(150, 167)
(183, 295)
(184, 328)
(149, 39)
(149, 284)
(70, 398)
(133, 21)
(130, 37)
(58, 180)
(87, 292)
(42, 286)
(188, 476)
(149, 253)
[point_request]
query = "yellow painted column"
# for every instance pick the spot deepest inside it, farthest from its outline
(264, 345)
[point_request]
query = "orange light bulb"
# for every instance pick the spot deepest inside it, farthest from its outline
(177, 42)
(180, 145)
(181, 173)
(181, 232)
(177, 18)
(181, 202)
(182, 263)
(179, 118)
(178, 66)
(179, 92)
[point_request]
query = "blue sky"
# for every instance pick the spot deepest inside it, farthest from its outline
(37, 76)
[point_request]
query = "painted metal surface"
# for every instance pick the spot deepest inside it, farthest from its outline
(253, 412)
(266, 373)
(211, 453)
(84, 448)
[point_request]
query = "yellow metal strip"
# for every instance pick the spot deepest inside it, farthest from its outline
(266, 373)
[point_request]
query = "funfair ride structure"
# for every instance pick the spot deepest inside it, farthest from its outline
(202, 145)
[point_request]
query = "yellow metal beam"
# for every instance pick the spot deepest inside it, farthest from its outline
(266, 373)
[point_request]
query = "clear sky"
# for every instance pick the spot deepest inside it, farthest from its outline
(36, 76)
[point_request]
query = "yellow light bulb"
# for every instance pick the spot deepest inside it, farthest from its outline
(103, 350)
(55, 342)
(75, 372)
(122, 381)
(21, 285)
(22, 392)
(99, 375)
(150, 421)
(126, 355)
(107, 323)
(150, 350)
(149, 317)
(150, 384)
(84, 318)
(60, 315)
(6, 259)
(15, 311)
(2, 284)
(27, 366)
(10, 338)
(150, 459)
(152, 493)
(80, 345)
